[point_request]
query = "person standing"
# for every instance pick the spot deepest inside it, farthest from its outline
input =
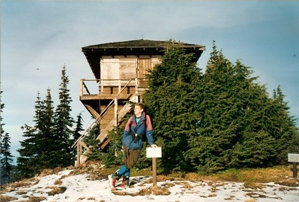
(138, 126)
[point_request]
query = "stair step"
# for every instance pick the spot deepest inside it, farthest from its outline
(104, 132)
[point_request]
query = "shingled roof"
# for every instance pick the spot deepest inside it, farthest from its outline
(134, 47)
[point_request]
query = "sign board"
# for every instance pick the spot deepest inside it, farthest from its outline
(293, 158)
(153, 152)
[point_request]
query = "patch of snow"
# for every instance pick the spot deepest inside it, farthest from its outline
(80, 188)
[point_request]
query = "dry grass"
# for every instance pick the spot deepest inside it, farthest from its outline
(256, 195)
(253, 185)
(212, 195)
(58, 182)
(289, 182)
(35, 199)
(21, 192)
(94, 169)
(56, 190)
(251, 177)
(229, 198)
(9, 187)
(46, 172)
(4, 198)
(144, 192)
(250, 200)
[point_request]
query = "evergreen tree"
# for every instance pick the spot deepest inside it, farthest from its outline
(63, 154)
(77, 133)
(6, 160)
(1, 132)
(27, 162)
(5, 155)
(283, 127)
(37, 148)
(79, 127)
(1, 121)
(170, 100)
(47, 144)
(45, 136)
(221, 119)
(240, 126)
(223, 93)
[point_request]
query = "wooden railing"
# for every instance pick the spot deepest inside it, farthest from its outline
(97, 120)
(99, 85)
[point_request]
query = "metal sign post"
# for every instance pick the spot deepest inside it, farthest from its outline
(154, 153)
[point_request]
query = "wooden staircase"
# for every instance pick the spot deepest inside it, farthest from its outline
(108, 119)
(108, 106)
(109, 123)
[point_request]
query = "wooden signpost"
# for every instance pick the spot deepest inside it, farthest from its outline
(154, 153)
(294, 158)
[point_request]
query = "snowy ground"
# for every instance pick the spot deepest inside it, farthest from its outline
(69, 187)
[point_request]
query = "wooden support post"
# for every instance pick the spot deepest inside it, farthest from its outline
(154, 165)
(154, 153)
(136, 86)
(81, 87)
(115, 112)
(78, 153)
(119, 86)
(101, 86)
(294, 170)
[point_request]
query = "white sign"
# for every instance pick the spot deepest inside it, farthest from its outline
(153, 152)
(293, 158)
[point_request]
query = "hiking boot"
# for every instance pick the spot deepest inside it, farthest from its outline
(112, 179)
(126, 182)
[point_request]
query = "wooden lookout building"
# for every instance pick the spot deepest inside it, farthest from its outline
(120, 70)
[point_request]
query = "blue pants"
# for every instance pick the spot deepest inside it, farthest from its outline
(124, 171)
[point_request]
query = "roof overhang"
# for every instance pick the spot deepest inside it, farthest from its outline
(137, 48)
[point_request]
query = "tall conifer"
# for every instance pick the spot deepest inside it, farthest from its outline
(79, 127)
(240, 126)
(27, 162)
(6, 158)
(45, 135)
(36, 152)
(63, 124)
(170, 99)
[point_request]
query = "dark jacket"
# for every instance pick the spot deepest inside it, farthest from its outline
(133, 133)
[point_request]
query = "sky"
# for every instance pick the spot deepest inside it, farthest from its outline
(39, 37)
